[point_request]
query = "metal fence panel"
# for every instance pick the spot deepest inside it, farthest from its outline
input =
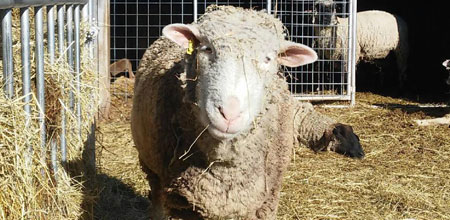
(135, 24)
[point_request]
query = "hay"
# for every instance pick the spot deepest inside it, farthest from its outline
(404, 175)
(29, 188)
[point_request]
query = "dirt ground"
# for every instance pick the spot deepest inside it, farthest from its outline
(405, 174)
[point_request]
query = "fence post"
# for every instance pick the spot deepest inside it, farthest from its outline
(26, 83)
(40, 79)
(195, 6)
(61, 47)
(8, 67)
(103, 55)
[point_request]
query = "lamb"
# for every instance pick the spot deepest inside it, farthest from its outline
(213, 120)
(378, 34)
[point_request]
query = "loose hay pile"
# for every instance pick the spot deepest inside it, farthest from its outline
(29, 189)
(404, 174)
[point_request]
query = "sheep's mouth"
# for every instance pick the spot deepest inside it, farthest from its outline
(219, 134)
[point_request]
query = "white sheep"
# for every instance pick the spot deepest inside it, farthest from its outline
(378, 34)
(214, 122)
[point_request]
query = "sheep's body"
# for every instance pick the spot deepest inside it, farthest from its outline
(244, 178)
(192, 174)
(378, 34)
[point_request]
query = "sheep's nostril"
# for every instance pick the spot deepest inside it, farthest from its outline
(221, 112)
(230, 111)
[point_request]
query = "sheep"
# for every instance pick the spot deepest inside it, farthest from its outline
(442, 120)
(378, 34)
(446, 64)
(120, 66)
(214, 122)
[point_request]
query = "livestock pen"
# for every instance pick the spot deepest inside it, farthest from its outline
(48, 105)
(403, 176)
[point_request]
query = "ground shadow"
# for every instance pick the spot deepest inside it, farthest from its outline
(106, 197)
(433, 111)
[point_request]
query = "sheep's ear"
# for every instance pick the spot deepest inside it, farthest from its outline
(294, 54)
(181, 34)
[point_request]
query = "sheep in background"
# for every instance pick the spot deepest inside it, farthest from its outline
(442, 120)
(378, 34)
(213, 120)
(446, 64)
(122, 65)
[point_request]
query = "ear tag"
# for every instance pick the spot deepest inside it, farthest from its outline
(190, 48)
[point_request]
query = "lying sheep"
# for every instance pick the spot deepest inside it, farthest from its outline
(378, 34)
(213, 120)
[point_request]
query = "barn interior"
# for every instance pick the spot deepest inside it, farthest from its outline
(429, 46)
(136, 24)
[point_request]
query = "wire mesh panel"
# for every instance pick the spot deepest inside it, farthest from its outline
(323, 25)
(135, 24)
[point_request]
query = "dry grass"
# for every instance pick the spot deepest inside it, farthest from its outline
(404, 175)
(29, 189)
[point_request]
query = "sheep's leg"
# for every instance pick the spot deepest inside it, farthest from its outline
(401, 56)
(155, 195)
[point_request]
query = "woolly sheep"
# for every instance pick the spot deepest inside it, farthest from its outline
(213, 120)
(378, 34)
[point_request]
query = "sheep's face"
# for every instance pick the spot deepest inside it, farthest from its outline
(446, 64)
(232, 70)
(324, 12)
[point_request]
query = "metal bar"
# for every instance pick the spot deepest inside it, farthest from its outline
(8, 66)
(61, 48)
(26, 82)
(39, 20)
(195, 6)
(77, 66)
(4, 4)
(85, 12)
(51, 32)
(70, 48)
(269, 6)
(353, 13)
(322, 97)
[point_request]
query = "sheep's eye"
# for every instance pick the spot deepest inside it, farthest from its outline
(206, 49)
(267, 59)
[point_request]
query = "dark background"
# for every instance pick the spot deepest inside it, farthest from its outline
(429, 35)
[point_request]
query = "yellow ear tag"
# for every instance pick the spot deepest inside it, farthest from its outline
(190, 48)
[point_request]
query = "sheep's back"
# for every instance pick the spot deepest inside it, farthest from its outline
(378, 34)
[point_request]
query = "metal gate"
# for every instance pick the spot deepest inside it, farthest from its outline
(135, 24)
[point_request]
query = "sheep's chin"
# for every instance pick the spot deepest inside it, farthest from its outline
(219, 135)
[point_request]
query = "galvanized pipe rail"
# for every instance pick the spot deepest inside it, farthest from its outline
(71, 54)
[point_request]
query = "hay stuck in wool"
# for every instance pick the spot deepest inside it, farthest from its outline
(29, 187)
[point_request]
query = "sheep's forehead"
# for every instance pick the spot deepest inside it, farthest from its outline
(237, 28)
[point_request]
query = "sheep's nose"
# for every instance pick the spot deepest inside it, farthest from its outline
(231, 109)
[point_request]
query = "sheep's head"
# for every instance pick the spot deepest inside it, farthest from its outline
(446, 64)
(235, 53)
(324, 12)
